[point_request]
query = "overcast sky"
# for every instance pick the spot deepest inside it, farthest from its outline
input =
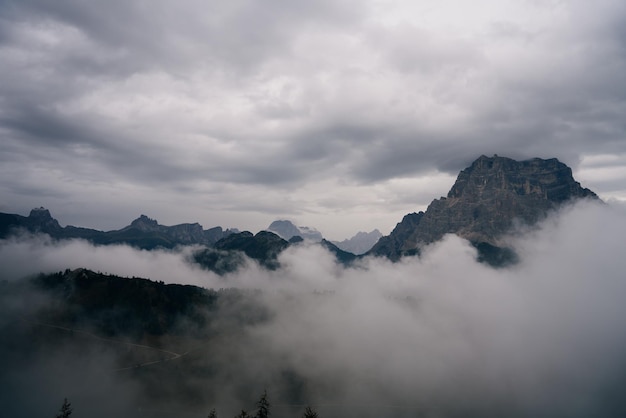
(342, 115)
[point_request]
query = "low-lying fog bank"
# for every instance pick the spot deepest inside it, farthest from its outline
(438, 336)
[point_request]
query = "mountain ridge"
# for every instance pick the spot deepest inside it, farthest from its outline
(487, 199)
(143, 232)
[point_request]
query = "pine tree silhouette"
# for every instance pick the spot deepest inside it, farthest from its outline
(263, 406)
(66, 409)
(309, 413)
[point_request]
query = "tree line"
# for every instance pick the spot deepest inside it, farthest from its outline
(263, 410)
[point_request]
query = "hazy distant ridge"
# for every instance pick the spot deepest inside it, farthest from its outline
(143, 232)
(360, 243)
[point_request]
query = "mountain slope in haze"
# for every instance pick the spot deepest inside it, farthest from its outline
(342, 257)
(361, 243)
(391, 245)
(118, 346)
(228, 254)
(488, 199)
(224, 252)
(287, 230)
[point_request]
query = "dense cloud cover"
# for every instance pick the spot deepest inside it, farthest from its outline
(439, 336)
(343, 115)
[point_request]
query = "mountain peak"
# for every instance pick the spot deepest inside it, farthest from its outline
(145, 223)
(40, 220)
(286, 230)
(542, 179)
(40, 213)
(487, 199)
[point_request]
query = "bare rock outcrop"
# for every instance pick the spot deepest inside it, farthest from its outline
(488, 198)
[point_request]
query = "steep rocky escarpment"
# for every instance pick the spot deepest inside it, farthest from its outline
(391, 245)
(488, 198)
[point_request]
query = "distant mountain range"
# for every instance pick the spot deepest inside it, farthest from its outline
(143, 232)
(224, 249)
(488, 198)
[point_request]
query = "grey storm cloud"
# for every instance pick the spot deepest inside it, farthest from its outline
(284, 98)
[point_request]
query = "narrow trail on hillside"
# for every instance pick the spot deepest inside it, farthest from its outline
(172, 355)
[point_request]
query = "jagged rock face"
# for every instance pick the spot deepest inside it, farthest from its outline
(493, 193)
(545, 180)
(40, 220)
(179, 234)
(145, 224)
(392, 244)
(187, 233)
(486, 201)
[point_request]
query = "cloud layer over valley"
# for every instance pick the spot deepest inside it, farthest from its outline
(439, 336)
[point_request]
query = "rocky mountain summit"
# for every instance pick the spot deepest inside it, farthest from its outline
(488, 199)
(40, 219)
(181, 234)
